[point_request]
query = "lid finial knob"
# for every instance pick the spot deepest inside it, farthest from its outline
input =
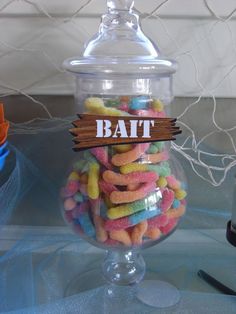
(120, 5)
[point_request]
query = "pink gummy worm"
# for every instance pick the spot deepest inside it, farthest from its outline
(119, 197)
(168, 197)
(155, 158)
(158, 221)
(102, 156)
(130, 178)
(124, 107)
(130, 156)
(148, 113)
(107, 188)
(169, 227)
(117, 224)
(173, 183)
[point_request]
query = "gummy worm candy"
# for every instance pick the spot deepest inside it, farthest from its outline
(153, 234)
(180, 194)
(101, 233)
(158, 221)
(81, 209)
(133, 186)
(157, 105)
(169, 227)
(138, 103)
(119, 197)
(138, 232)
(148, 113)
(93, 179)
(122, 148)
(156, 147)
(130, 156)
(73, 176)
(176, 212)
(96, 106)
(86, 224)
(162, 182)
(121, 236)
(162, 170)
(155, 158)
(84, 178)
(173, 183)
(168, 197)
(107, 188)
(101, 154)
(129, 209)
(69, 204)
(125, 179)
(126, 222)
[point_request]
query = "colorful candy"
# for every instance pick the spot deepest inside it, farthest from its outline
(138, 103)
(162, 182)
(169, 227)
(96, 106)
(101, 153)
(180, 194)
(157, 105)
(86, 224)
(162, 170)
(101, 233)
(124, 195)
(130, 156)
(132, 220)
(107, 188)
(120, 197)
(123, 148)
(129, 209)
(176, 212)
(138, 233)
(173, 183)
(158, 221)
(168, 197)
(121, 236)
(93, 181)
(153, 234)
(155, 158)
(69, 204)
(130, 178)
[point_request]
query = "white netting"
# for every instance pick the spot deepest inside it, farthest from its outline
(203, 42)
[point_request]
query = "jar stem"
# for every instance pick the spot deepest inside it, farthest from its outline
(123, 268)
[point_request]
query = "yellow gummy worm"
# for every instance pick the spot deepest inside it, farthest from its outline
(135, 166)
(119, 211)
(96, 105)
(123, 148)
(93, 179)
(180, 194)
(157, 105)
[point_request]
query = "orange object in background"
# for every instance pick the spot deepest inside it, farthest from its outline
(4, 126)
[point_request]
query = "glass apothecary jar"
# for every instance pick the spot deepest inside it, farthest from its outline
(123, 198)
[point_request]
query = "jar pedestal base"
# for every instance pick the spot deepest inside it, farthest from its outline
(150, 291)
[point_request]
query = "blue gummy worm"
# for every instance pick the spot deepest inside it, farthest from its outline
(87, 225)
(143, 215)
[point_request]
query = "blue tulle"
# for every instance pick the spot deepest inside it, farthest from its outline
(40, 260)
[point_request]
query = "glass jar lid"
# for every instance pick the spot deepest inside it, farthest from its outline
(120, 47)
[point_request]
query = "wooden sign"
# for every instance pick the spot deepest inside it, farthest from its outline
(99, 130)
